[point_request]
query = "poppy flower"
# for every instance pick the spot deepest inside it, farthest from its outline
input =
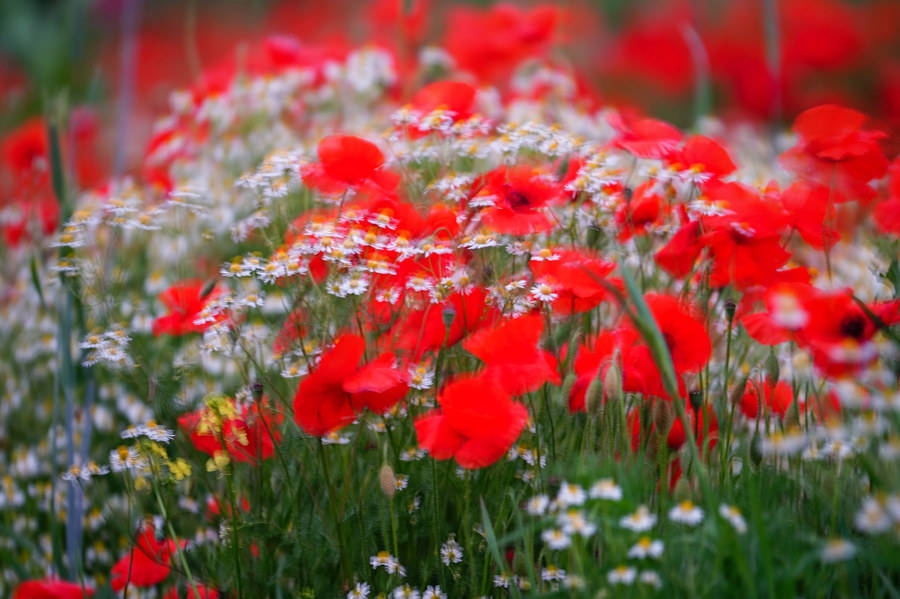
(644, 137)
(348, 161)
(887, 212)
(148, 563)
(706, 155)
(330, 396)
(678, 256)
(512, 356)
(320, 404)
(761, 396)
(457, 97)
(377, 385)
(51, 589)
(684, 333)
(476, 424)
(186, 301)
(197, 591)
(247, 432)
(811, 213)
(833, 150)
(642, 209)
(701, 425)
(424, 329)
(520, 196)
(576, 277)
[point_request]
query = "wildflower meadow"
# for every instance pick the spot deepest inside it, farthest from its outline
(437, 300)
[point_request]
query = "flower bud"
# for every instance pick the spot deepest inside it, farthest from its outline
(663, 416)
(593, 397)
(387, 480)
(682, 490)
(612, 383)
(772, 369)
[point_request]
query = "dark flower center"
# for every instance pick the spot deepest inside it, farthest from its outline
(853, 325)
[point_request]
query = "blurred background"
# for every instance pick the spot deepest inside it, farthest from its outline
(757, 60)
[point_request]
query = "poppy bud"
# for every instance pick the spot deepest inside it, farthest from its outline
(387, 480)
(772, 370)
(448, 315)
(792, 415)
(663, 416)
(696, 399)
(682, 490)
(737, 392)
(593, 398)
(612, 383)
(755, 453)
(730, 307)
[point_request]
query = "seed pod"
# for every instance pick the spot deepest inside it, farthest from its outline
(696, 399)
(387, 480)
(663, 416)
(448, 315)
(612, 383)
(593, 397)
(682, 490)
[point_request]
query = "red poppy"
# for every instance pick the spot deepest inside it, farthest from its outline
(197, 591)
(424, 329)
(676, 437)
(811, 213)
(321, 405)
(833, 150)
(576, 276)
(490, 43)
(642, 209)
(477, 423)
(51, 589)
(761, 397)
(520, 197)
(684, 333)
(705, 155)
(185, 302)
(887, 212)
(513, 358)
(348, 161)
(644, 137)
(456, 96)
(247, 432)
(679, 255)
(148, 563)
(378, 385)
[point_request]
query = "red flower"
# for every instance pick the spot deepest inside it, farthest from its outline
(198, 591)
(456, 96)
(678, 256)
(834, 151)
(148, 563)
(676, 437)
(51, 589)
(685, 335)
(329, 398)
(321, 405)
(514, 360)
(761, 396)
(640, 210)
(477, 423)
(247, 432)
(378, 385)
(887, 212)
(643, 137)
(186, 302)
(348, 161)
(423, 330)
(707, 156)
(811, 213)
(575, 275)
(520, 197)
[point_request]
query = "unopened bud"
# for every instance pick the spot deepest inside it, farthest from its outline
(696, 399)
(772, 369)
(682, 490)
(448, 315)
(567, 385)
(387, 480)
(612, 383)
(662, 414)
(593, 397)
(737, 392)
